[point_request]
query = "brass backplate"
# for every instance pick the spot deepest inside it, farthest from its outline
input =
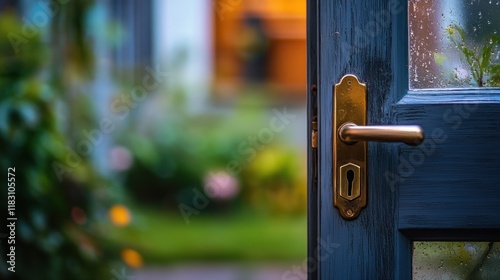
(349, 106)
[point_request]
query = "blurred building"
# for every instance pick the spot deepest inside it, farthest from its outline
(226, 44)
(260, 42)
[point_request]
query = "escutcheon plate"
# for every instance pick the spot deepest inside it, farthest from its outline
(349, 105)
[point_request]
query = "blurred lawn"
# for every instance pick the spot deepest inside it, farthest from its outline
(163, 237)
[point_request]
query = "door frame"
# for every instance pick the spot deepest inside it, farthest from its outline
(312, 152)
(381, 216)
(316, 93)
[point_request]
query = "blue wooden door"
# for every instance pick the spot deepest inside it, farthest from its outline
(447, 189)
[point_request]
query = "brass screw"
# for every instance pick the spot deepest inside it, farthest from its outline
(350, 213)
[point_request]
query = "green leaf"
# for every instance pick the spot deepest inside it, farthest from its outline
(440, 59)
(469, 55)
(486, 53)
(494, 73)
(460, 31)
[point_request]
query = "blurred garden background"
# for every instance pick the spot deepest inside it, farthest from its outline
(154, 139)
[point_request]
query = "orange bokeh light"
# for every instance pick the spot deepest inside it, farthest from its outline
(119, 215)
(132, 258)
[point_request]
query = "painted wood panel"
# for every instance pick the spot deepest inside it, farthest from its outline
(453, 180)
(312, 153)
(368, 247)
(450, 188)
(451, 193)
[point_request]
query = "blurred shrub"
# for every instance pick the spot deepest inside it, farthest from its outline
(276, 181)
(176, 153)
(56, 235)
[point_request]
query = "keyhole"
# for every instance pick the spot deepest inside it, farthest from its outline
(350, 180)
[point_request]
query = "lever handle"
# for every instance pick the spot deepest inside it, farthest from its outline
(349, 147)
(412, 135)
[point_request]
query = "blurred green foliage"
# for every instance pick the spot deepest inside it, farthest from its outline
(484, 70)
(164, 238)
(275, 182)
(176, 152)
(44, 104)
(56, 234)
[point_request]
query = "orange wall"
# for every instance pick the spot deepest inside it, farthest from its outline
(285, 22)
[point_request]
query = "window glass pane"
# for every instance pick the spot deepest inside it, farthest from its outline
(456, 260)
(454, 43)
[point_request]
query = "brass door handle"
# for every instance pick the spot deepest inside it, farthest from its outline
(412, 135)
(350, 149)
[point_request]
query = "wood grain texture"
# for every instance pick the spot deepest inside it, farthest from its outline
(447, 189)
(368, 246)
(455, 182)
(312, 154)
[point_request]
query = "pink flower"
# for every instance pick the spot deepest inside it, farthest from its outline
(120, 158)
(221, 185)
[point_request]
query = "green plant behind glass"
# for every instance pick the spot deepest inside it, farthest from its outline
(484, 71)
